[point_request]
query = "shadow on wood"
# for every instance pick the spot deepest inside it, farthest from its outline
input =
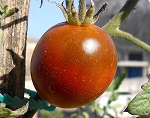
(12, 83)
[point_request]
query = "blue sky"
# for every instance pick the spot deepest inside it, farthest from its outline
(41, 19)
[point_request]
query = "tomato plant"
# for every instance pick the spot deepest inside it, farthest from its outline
(73, 64)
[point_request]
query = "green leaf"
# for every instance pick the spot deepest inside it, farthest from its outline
(95, 107)
(85, 114)
(140, 105)
(117, 82)
(5, 112)
(146, 87)
(11, 12)
(116, 106)
(113, 97)
(74, 115)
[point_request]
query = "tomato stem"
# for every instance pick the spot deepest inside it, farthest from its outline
(83, 18)
(69, 4)
(96, 16)
(82, 10)
(112, 27)
(88, 20)
(127, 36)
(118, 19)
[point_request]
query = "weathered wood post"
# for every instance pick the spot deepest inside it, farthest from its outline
(13, 49)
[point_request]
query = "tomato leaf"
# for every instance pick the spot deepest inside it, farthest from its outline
(140, 105)
(95, 107)
(113, 97)
(5, 112)
(74, 115)
(116, 83)
(85, 114)
(146, 87)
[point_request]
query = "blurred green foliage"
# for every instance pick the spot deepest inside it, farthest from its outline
(54, 114)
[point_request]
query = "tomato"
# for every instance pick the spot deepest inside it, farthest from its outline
(73, 65)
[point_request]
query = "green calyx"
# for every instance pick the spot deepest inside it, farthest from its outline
(84, 17)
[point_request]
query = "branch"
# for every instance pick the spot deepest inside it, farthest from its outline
(112, 27)
(127, 36)
(117, 20)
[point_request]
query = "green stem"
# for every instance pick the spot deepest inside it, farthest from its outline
(69, 4)
(95, 107)
(127, 36)
(117, 20)
(112, 27)
(82, 10)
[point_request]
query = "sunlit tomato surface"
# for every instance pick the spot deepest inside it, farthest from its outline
(73, 65)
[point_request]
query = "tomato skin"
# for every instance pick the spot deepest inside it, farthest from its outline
(71, 66)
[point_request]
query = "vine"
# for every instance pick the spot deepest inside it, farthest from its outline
(112, 27)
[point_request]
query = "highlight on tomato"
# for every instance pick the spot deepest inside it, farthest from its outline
(75, 61)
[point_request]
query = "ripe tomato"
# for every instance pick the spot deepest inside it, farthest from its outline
(71, 66)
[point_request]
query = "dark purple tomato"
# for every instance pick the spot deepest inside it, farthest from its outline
(73, 65)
